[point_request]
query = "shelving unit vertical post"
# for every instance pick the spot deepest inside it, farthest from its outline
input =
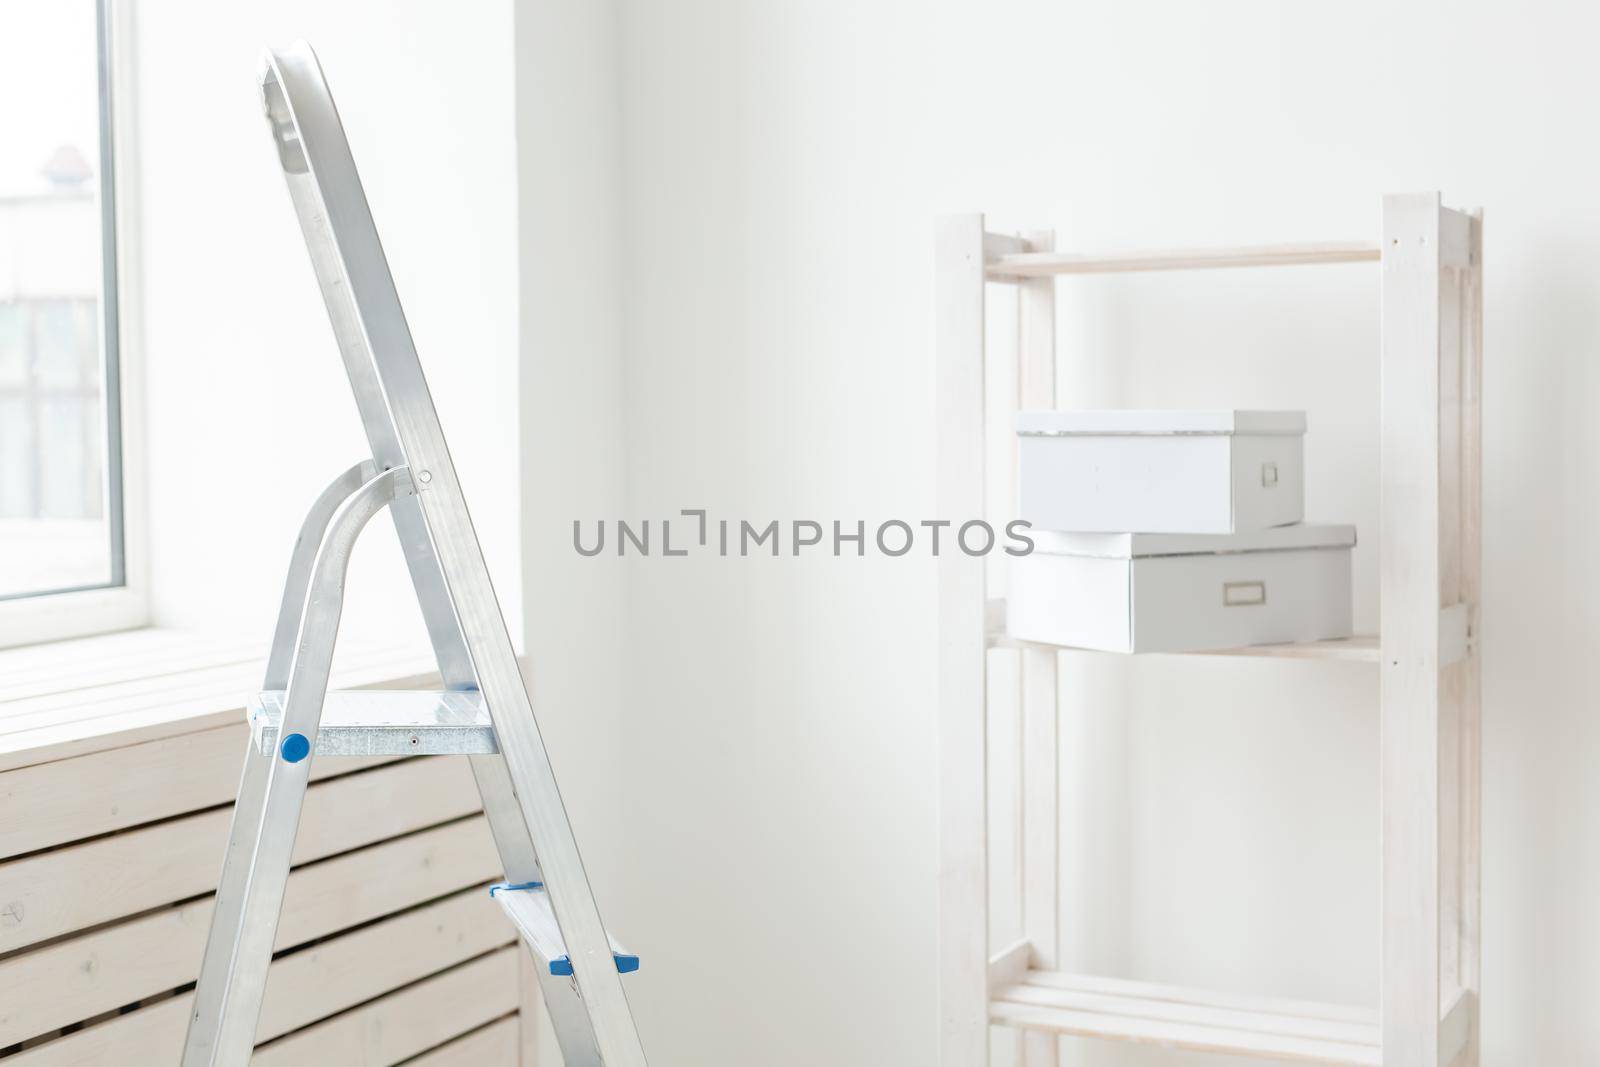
(1427, 655)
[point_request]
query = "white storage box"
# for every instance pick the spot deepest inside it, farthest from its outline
(1182, 592)
(1160, 471)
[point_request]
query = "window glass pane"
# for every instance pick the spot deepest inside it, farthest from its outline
(66, 349)
(16, 466)
(56, 530)
(13, 346)
(70, 484)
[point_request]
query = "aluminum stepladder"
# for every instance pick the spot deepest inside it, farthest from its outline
(483, 710)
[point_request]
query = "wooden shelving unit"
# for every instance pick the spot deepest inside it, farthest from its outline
(1430, 266)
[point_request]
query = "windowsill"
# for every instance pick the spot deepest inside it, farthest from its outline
(73, 697)
(56, 617)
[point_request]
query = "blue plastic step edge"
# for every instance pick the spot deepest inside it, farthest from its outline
(627, 963)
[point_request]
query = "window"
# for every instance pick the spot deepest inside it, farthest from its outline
(61, 485)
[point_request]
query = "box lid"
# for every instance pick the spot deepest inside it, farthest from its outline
(1118, 421)
(1139, 545)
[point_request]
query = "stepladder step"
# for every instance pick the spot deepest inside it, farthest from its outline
(384, 722)
(527, 905)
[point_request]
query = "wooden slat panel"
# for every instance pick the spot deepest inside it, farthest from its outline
(74, 666)
(313, 984)
(53, 893)
(27, 714)
(125, 764)
(306, 986)
(492, 1045)
(152, 1035)
(61, 983)
(87, 687)
(89, 795)
(405, 1023)
(139, 709)
(113, 790)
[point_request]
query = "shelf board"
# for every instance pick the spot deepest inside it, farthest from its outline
(1363, 648)
(1196, 1020)
(1014, 265)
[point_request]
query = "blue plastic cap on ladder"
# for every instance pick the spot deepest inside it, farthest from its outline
(295, 748)
(626, 964)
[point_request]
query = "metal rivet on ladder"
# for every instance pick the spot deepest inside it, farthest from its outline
(295, 748)
(424, 477)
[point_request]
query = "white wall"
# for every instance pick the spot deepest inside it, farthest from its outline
(573, 431)
(780, 170)
(248, 412)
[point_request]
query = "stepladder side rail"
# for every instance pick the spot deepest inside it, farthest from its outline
(484, 707)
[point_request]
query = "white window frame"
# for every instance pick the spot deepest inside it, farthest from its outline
(30, 620)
